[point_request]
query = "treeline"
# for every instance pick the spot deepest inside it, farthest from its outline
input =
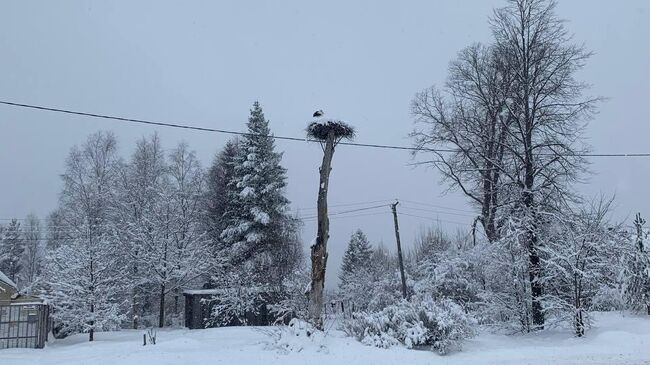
(21, 250)
(129, 234)
(512, 113)
(506, 129)
(456, 283)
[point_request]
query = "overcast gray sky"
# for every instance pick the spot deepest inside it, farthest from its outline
(205, 62)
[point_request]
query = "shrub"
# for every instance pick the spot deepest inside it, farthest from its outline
(297, 336)
(441, 325)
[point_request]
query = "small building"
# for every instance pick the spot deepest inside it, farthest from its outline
(24, 320)
(200, 303)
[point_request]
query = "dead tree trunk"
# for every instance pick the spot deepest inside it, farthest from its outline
(319, 249)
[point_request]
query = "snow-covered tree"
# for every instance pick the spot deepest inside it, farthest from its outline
(220, 190)
(368, 278)
(138, 223)
(56, 234)
(578, 258)
(443, 269)
(357, 256)
(637, 270)
(12, 248)
(356, 271)
(34, 250)
(255, 222)
(514, 113)
(85, 284)
(191, 252)
(159, 225)
(84, 275)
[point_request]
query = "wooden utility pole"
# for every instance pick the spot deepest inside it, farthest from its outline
(399, 249)
(319, 249)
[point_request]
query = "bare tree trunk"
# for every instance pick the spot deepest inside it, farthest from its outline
(161, 313)
(91, 333)
(534, 267)
(579, 321)
(319, 249)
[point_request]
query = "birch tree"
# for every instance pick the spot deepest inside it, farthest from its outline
(84, 276)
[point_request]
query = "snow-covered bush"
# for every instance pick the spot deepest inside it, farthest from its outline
(607, 299)
(294, 302)
(441, 325)
(297, 336)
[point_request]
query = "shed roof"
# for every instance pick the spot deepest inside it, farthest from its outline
(204, 291)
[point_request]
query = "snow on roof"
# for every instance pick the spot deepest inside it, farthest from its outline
(203, 291)
(221, 291)
(29, 303)
(8, 281)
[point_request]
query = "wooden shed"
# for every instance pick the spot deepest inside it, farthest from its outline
(200, 303)
(24, 320)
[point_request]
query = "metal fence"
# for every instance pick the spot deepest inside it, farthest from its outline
(23, 325)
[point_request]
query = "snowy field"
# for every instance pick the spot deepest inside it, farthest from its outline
(615, 339)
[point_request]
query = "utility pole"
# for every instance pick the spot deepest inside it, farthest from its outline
(399, 248)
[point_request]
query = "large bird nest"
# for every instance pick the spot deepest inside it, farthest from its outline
(320, 130)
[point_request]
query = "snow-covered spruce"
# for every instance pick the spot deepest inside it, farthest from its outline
(259, 241)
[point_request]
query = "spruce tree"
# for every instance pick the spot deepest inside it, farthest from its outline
(256, 220)
(218, 190)
(358, 257)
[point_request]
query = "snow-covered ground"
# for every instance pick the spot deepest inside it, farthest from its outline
(615, 339)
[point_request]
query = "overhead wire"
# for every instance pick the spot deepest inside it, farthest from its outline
(436, 211)
(347, 211)
(433, 219)
(224, 131)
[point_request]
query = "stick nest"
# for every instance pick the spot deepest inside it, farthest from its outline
(321, 129)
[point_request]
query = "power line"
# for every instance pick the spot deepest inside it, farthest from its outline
(203, 129)
(347, 211)
(305, 218)
(349, 204)
(434, 219)
(437, 206)
(350, 216)
(437, 211)
(215, 130)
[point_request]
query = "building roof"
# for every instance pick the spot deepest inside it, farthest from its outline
(7, 281)
(204, 291)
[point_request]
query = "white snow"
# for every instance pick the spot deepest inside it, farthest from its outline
(616, 339)
(203, 291)
(247, 191)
